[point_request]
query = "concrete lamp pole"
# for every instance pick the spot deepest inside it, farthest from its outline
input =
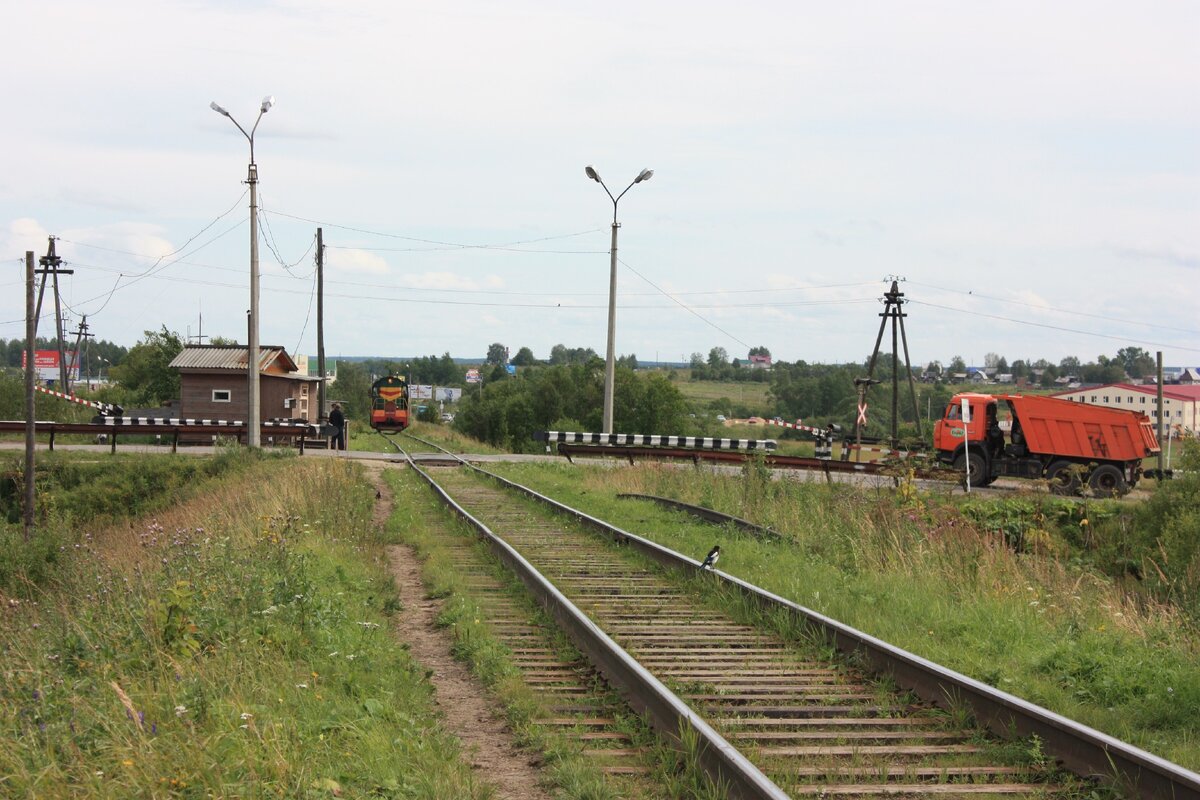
(610, 359)
(253, 406)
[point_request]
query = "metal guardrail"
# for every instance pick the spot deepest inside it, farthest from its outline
(111, 430)
(1081, 749)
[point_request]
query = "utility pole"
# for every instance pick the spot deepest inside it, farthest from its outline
(51, 265)
(30, 370)
(1159, 398)
(892, 311)
(321, 325)
(81, 335)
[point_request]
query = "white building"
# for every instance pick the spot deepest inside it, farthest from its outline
(1181, 404)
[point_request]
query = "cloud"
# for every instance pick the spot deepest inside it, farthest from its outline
(1166, 255)
(448, 280)
(360, 261)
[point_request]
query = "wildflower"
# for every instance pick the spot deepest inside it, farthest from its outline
(244, 727)
(128, 762)
(180, 710)
(334, 653)
(246, 715)
(301, 685)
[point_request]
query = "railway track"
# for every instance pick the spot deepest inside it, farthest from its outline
(778, 718)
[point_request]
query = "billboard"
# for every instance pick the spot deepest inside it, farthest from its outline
(473, 375)
(419, 391)
(45, 363)
(448, 394)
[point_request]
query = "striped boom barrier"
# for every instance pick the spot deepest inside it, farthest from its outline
(119, 422)
(104, 408)
(640, 440)
(824, 445)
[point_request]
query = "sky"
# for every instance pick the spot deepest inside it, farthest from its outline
(1028, 171)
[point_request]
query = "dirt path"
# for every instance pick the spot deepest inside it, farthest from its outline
(467, 710)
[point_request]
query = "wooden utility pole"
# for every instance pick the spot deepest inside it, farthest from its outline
(81, 336)
(321, 415)
(893, 310)
(30, 371)
(51, 265)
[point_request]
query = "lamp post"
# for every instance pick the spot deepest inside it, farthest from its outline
(253, 410)
(609, 361)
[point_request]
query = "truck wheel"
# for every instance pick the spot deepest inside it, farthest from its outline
(979, 473)
(1064, 477)
(1108, 481)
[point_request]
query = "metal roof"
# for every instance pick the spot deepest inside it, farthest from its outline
(231, 358)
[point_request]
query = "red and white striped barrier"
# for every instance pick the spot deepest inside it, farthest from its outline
(104, 408)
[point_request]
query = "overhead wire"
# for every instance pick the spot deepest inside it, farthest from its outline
(1105, 317)
(445, 244)
(682, 305)
(1125, 339)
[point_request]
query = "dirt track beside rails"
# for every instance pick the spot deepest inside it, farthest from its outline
(467, 709)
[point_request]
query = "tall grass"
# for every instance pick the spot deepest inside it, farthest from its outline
(924, 574)
(237, 645)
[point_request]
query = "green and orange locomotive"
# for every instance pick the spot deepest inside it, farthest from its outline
(389, 404)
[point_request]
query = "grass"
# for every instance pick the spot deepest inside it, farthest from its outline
(363, 439)
(743, 393)
(236, 646)
(916, 571)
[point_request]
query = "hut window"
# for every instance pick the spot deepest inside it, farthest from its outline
(222, 395)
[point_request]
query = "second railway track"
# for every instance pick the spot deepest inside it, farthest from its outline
(804, 723)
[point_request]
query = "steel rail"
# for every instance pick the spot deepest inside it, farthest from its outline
(1081, 749)
(666, 711)
(706, 514)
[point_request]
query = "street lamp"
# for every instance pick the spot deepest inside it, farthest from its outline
(609, 361)
(253, 426)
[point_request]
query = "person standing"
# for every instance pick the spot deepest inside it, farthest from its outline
(338, 420)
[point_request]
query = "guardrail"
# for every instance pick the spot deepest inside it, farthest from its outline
(174, 428)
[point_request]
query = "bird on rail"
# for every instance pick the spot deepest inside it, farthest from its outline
(711, 559)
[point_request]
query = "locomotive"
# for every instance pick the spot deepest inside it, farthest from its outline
(389, 404)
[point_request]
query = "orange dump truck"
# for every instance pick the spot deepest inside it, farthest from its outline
(1070, 444)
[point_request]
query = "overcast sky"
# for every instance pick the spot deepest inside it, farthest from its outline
(1030, 169)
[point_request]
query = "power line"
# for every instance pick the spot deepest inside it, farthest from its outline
(1123, 339)
(449, 245)
(1105, 317)
(682, 305)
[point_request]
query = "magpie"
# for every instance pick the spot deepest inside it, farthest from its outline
(711, 558)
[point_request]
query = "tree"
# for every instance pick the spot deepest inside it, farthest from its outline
(760, 351)
(1137, 362)
(629, 361)
(497, 353)
(352, 389)
(1069, 366)
(718, 357)
(957, 366)
(524, 358)
(991, 361)
(697, 360)
(144, 372)
(223, 341)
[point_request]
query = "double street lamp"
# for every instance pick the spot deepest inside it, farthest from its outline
(253, 425)
(609, 361)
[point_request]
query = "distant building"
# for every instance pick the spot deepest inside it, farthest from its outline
(213, 384)
(760, 362)
(1189, 376)
(1181, 403)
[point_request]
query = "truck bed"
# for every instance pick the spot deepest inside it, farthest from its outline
(1081, 431)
